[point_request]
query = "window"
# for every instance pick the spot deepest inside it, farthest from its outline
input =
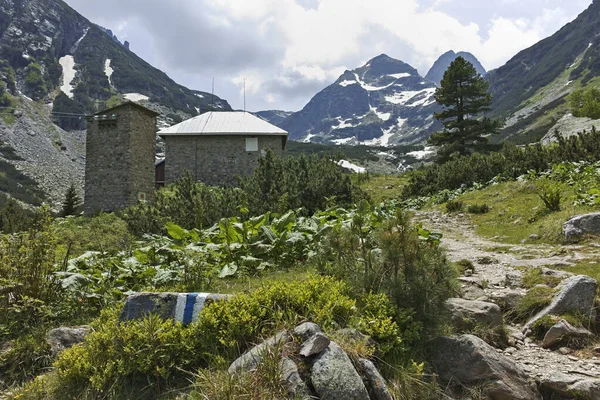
(252, 144)
(141, 196)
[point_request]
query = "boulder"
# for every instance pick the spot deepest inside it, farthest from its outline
(562, 331)
(334, 378)
(248, 361)
(569, 386)
(306, 330)
(506, 299)
(514, 279)
(314, 345)
(294, 384)
(574, 295)
(63, 338)
(182, 307)
(468, 360)
(581, 225)
(375, 382)
(468, 313)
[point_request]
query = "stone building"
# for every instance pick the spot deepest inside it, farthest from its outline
(215, 147)
(120, 154)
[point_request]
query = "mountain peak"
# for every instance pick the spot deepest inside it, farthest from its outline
(436, 73)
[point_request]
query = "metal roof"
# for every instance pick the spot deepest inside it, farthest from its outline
(223, 123)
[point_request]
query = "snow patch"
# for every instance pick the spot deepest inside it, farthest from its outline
(199, 95)
(68, 74)
(382, 116)
(422, 154)
(308, 137)
(347, 83)
(401, 122)
(568, 83)
(371, 88)
(343, 141)
(400, 75)
(197, 110)
(342, 123)
(108, 71)
(404, 97)
(74, 48)
(136, 97)
(352, 167)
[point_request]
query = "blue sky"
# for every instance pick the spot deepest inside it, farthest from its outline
(288, 50)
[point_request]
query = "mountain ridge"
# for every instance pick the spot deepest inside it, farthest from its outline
(439, 67)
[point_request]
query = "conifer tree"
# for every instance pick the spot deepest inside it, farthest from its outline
(72, 202)
(464, 94)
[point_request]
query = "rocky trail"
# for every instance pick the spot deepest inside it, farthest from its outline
(496, 278)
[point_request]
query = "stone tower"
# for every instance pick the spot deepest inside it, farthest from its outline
(120, 151)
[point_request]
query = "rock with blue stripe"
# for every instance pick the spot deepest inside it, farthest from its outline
(182, 307)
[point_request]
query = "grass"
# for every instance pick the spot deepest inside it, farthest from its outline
(536, 299)
(516, 213)
(535, 276)
(248, 284)
(384, 187)
(589, 267)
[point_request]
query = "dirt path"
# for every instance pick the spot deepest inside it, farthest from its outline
(495, 277)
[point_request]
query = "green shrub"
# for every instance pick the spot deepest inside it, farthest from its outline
(453, 206)
(155, 355)
(478, 208)
(585, 103)
(35, 86)
(464, 265)
(551, 196)
(27, 357)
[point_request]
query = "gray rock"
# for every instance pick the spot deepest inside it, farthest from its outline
(570, 386)
(580, 225)
(506, 298)
(334, 378)
(63, 338)
(468, 313)
(514, 279)
(314, 345)
(563, 331)
(575, 294)
(306, 330)
(375, 382)
(248, 361)
(470, 361)
(534, 236)
(487, 260)
(294, 384)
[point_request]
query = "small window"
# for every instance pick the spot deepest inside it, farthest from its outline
(142, 196)
(252, 144)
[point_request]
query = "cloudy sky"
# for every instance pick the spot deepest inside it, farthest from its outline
(288, 50)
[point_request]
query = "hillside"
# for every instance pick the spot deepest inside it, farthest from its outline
(56, 67)
(530, 89)
(437, 70)
(383, 103)
(275, 117)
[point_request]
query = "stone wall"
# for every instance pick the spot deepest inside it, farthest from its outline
(215, 160)
(119, 159)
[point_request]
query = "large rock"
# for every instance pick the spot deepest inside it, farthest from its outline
(574, 295)
(569, 386)
(294, 384)
(334, 378)
(314, 345)
(507, 299)
(250, 360)
(63, 338)
(470, 361)
(182, 307)
(375, 382)
(466, 314)
(581, 225)
(306, 330)
(562, 332)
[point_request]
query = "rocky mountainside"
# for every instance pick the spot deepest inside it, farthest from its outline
(382, 103)
(55, 67)
(275, 117)
(436, 73)
(530, 89)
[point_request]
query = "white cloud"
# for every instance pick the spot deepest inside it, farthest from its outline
(289, 49)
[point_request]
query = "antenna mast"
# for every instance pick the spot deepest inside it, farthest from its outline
(213, 94)
(244, 94)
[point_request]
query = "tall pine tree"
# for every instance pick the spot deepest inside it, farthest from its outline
(72, 202)
(465, 95)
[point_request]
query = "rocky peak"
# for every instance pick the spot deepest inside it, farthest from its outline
(436, 73)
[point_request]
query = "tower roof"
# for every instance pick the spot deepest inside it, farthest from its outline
(128, 103)
(223, 123)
